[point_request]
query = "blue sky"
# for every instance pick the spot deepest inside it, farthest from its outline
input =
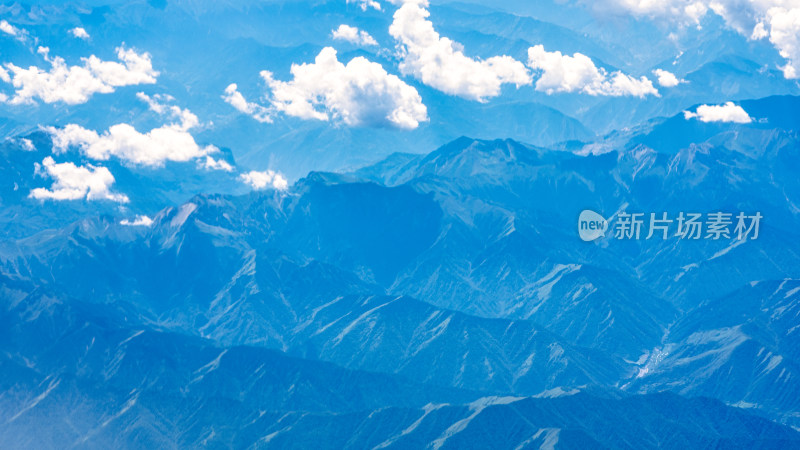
(369, 72)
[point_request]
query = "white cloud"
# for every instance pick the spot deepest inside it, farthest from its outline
(689, 10)
(234, 98)
(667, 79)
(170, 142)
(366, 4)
(423, 3)
(186, 120)
(785, 35)
(7, 28)
(167, 143)
(353, 35)
(138, 221)
(26, 144)
(577, 73)
(11, 30)
(73, 182)
(79, 33)
(360, 93)
(759, 32)
(440, 62)
(729, 112)
(75, 84)
(779, 20)
(261, 180)
(217, 164)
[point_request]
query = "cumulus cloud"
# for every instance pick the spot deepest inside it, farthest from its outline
(423, 3)
(366, 4)
(26, 144)
(234, 98)
(729, 112)
(79, 33)
(11, 30)
(261, 180)
(170, 142)
(785, 35)
(360, 93)
(778, 20)
(138, 221)
(353, 35)
(73, 182)
(577, 73)
(75, 84)
(667, 79)
(689, 10)
(441, 63)
(759, 32)
(185, 119)
(7, 28)
(216, 164)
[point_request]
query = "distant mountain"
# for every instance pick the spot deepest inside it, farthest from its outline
(98, 382)
(730, 77)
(222, 44)
(774, 116)
(462, 268)
(212, 45)
(422, 288)
(570, 421)
(741, 348)
(148, 189)
(277, 300)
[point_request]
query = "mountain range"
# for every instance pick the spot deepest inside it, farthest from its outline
(424, 300)
(288, 224)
